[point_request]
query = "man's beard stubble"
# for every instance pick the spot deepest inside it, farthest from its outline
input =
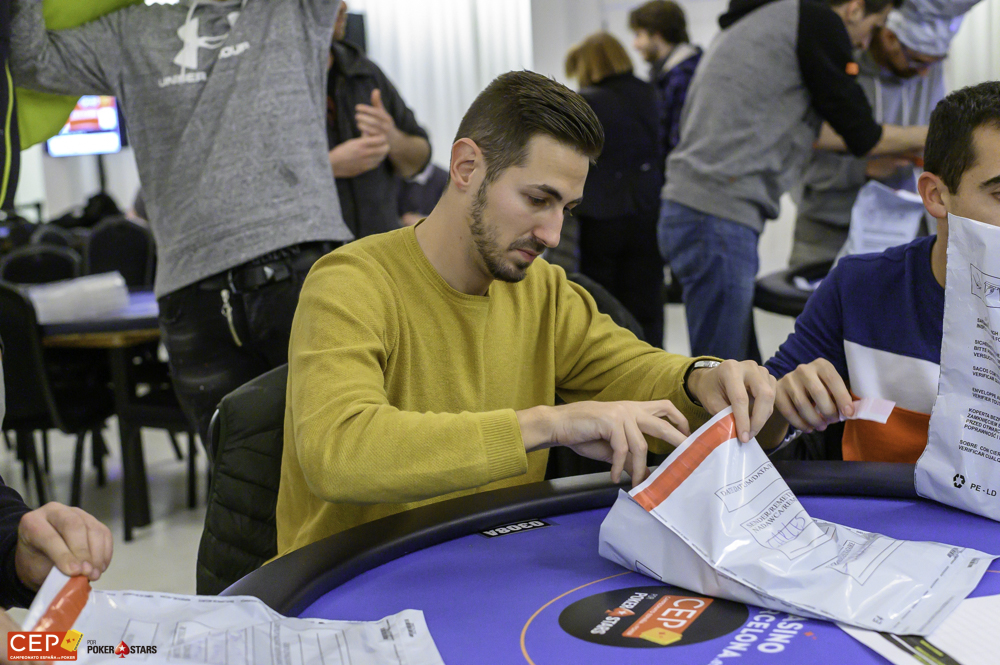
(488, 244)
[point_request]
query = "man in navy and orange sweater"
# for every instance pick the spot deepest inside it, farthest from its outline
(874, 326)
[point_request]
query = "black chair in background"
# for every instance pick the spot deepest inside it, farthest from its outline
(47, 234)
(76, 400)
(40, 264)
(117, 243)
(15, 231)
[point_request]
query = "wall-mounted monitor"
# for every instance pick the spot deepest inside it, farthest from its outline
(94, 128)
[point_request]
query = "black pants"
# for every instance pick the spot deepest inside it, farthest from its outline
(206, 360)
(623, 257)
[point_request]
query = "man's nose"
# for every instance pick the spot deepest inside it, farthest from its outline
(548, 233)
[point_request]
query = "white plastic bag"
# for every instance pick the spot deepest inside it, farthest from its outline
(718, 519)
(961, 464)
(882, 217)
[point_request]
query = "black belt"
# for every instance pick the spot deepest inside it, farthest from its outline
(274, 267)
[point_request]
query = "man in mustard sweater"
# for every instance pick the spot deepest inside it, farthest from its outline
(424, 363)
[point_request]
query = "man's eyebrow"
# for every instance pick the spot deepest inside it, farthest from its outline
(554, 193)
(995, 180)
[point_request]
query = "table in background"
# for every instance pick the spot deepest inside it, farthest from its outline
(533, 595)
(118, 332)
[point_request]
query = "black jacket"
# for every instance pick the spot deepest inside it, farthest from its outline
(368, 201)
(13, 593)
(10, 153)
(628, 175)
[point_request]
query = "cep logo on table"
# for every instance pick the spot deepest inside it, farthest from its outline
(23, 645)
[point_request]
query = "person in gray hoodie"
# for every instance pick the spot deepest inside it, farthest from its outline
(226, 106)
(902, 74)
(753, 112)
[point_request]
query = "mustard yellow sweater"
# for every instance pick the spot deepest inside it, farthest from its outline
(402, 390)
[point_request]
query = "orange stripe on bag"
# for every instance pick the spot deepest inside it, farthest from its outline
(65, 607)
(681, 468)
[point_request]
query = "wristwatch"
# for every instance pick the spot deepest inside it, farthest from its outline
(698, 364)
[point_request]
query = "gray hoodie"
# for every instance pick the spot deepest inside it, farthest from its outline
(226, 104)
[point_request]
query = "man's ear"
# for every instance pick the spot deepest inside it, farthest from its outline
(856, 11)
(466, 157)
(934, 193)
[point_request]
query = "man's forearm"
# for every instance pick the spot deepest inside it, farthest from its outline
(895, 140)
(409, 154)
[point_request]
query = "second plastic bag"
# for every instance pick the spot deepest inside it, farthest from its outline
(717, 518)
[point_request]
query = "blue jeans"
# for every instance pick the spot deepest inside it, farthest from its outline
(715, 261)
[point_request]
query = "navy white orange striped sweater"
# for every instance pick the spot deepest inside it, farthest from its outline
(877, 318)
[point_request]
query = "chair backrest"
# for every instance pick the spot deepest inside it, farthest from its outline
(39, 264)
(30, 403)
(15, 231)
(117, 243)
(608, 304)
(52, 235)
(248, 437)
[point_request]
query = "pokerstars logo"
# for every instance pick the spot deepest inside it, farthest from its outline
(651, 617)
(121, 649)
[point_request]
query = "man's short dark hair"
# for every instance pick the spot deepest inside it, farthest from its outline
(663, 18)
(949, 151)
(517, 106)
(871, 6)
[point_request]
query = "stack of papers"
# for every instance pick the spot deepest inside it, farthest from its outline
(238, 630)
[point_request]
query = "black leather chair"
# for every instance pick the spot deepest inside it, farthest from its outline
(117, 243)
(246, 440)
(73, 399)
(40, 264)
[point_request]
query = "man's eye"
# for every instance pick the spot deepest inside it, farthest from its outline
(535, 201)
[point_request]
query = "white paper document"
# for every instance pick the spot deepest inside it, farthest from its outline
(882, 217)
(961, 464)
(968, 637)
(237, 630)
(717, 518)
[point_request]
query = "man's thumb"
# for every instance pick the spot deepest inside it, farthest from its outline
(377, 98)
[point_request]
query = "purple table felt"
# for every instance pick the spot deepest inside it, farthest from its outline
(534, 596)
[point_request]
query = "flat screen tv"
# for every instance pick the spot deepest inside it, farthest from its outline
(94, 128)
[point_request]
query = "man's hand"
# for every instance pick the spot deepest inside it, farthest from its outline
(746, 386)
(70, 539)
(356, 156)
(812, 396)
(374, 120)
(605, 431)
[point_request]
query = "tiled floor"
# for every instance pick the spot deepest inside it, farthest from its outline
(162, 556)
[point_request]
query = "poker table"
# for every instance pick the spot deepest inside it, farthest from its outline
(513, 576)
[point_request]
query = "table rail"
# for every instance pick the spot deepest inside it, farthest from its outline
(291, 583)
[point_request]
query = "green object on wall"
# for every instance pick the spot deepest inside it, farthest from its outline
(40, 115)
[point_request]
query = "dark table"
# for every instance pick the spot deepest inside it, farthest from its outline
(535, 593)
(118, 332)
